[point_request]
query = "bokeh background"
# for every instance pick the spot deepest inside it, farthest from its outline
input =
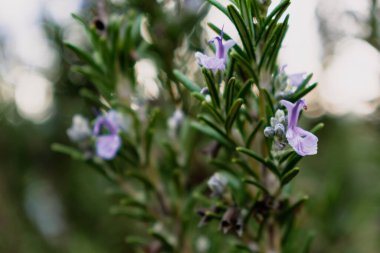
(49, 203)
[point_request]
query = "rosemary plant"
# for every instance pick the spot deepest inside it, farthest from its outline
(206, 165)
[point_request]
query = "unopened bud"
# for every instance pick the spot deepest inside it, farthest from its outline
(217, 184)
(279, 129)
(280, 116)
(205, 91)
(273, 121)
(269, 132)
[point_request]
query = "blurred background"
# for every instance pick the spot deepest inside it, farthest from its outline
(49, 203)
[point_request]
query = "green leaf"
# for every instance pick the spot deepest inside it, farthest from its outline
(245, 89)
(288, 212)
(141, 178)
(243, 248)
(289, 176)
(244, 64)
(165, 241)
(149, 133)
(93, 97)
(128, 201)
(245, 167)
(84, 56)
(273, 45)
(252, 154)
(213, 111)
(293, 159)
(233, 113)
(304, 82)
(318, 127)
(211, 124)
(190, 85)
(272, 20)
(242, 30)
(280, 8)
(309, 241)
(222, 165)
(260, 159)
(229, 90)
(277, 46)
(74, 153)
(137, 240)
(269, 100)
(246, 13)
(257, 184)
(198, 96)
(253, 134)
(219, 6)
(136, 29)
(213, 134)
(297, 95)
(212, 87)
(96, 78)
(130, 213)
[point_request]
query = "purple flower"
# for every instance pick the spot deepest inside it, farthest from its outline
(296, 79)
(106, 131)
(219, 60)
(302, 141)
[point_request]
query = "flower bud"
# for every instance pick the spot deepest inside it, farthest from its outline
(80, 129)
(176, 119)
(279, 130)
(205, 91)
(273, 121)
(269, 132)
(280, 116)
(217, 184)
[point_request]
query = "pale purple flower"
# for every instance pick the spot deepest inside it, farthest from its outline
(106, 130)
(175, 121)
(296, 79)
(302, 141)
(217, 62)
(217, 184)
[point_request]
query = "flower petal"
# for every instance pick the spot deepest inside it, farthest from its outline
(208, 62)
(107, 146)
(302, 141)
(296, 79)
(227, 45)
(293, 111)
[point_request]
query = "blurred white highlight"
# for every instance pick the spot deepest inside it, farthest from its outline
(351, 81)
(146, 77)
(33, 95)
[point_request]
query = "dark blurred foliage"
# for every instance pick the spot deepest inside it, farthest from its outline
(343, 213)
(48, 202)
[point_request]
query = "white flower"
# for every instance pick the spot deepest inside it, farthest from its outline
(175, 120)
(217, 184)
(80, 129)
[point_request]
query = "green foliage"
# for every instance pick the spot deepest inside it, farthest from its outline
(223, 127)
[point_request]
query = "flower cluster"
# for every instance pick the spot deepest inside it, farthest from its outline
(302, 141)
(105, 134)
(278, 125)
